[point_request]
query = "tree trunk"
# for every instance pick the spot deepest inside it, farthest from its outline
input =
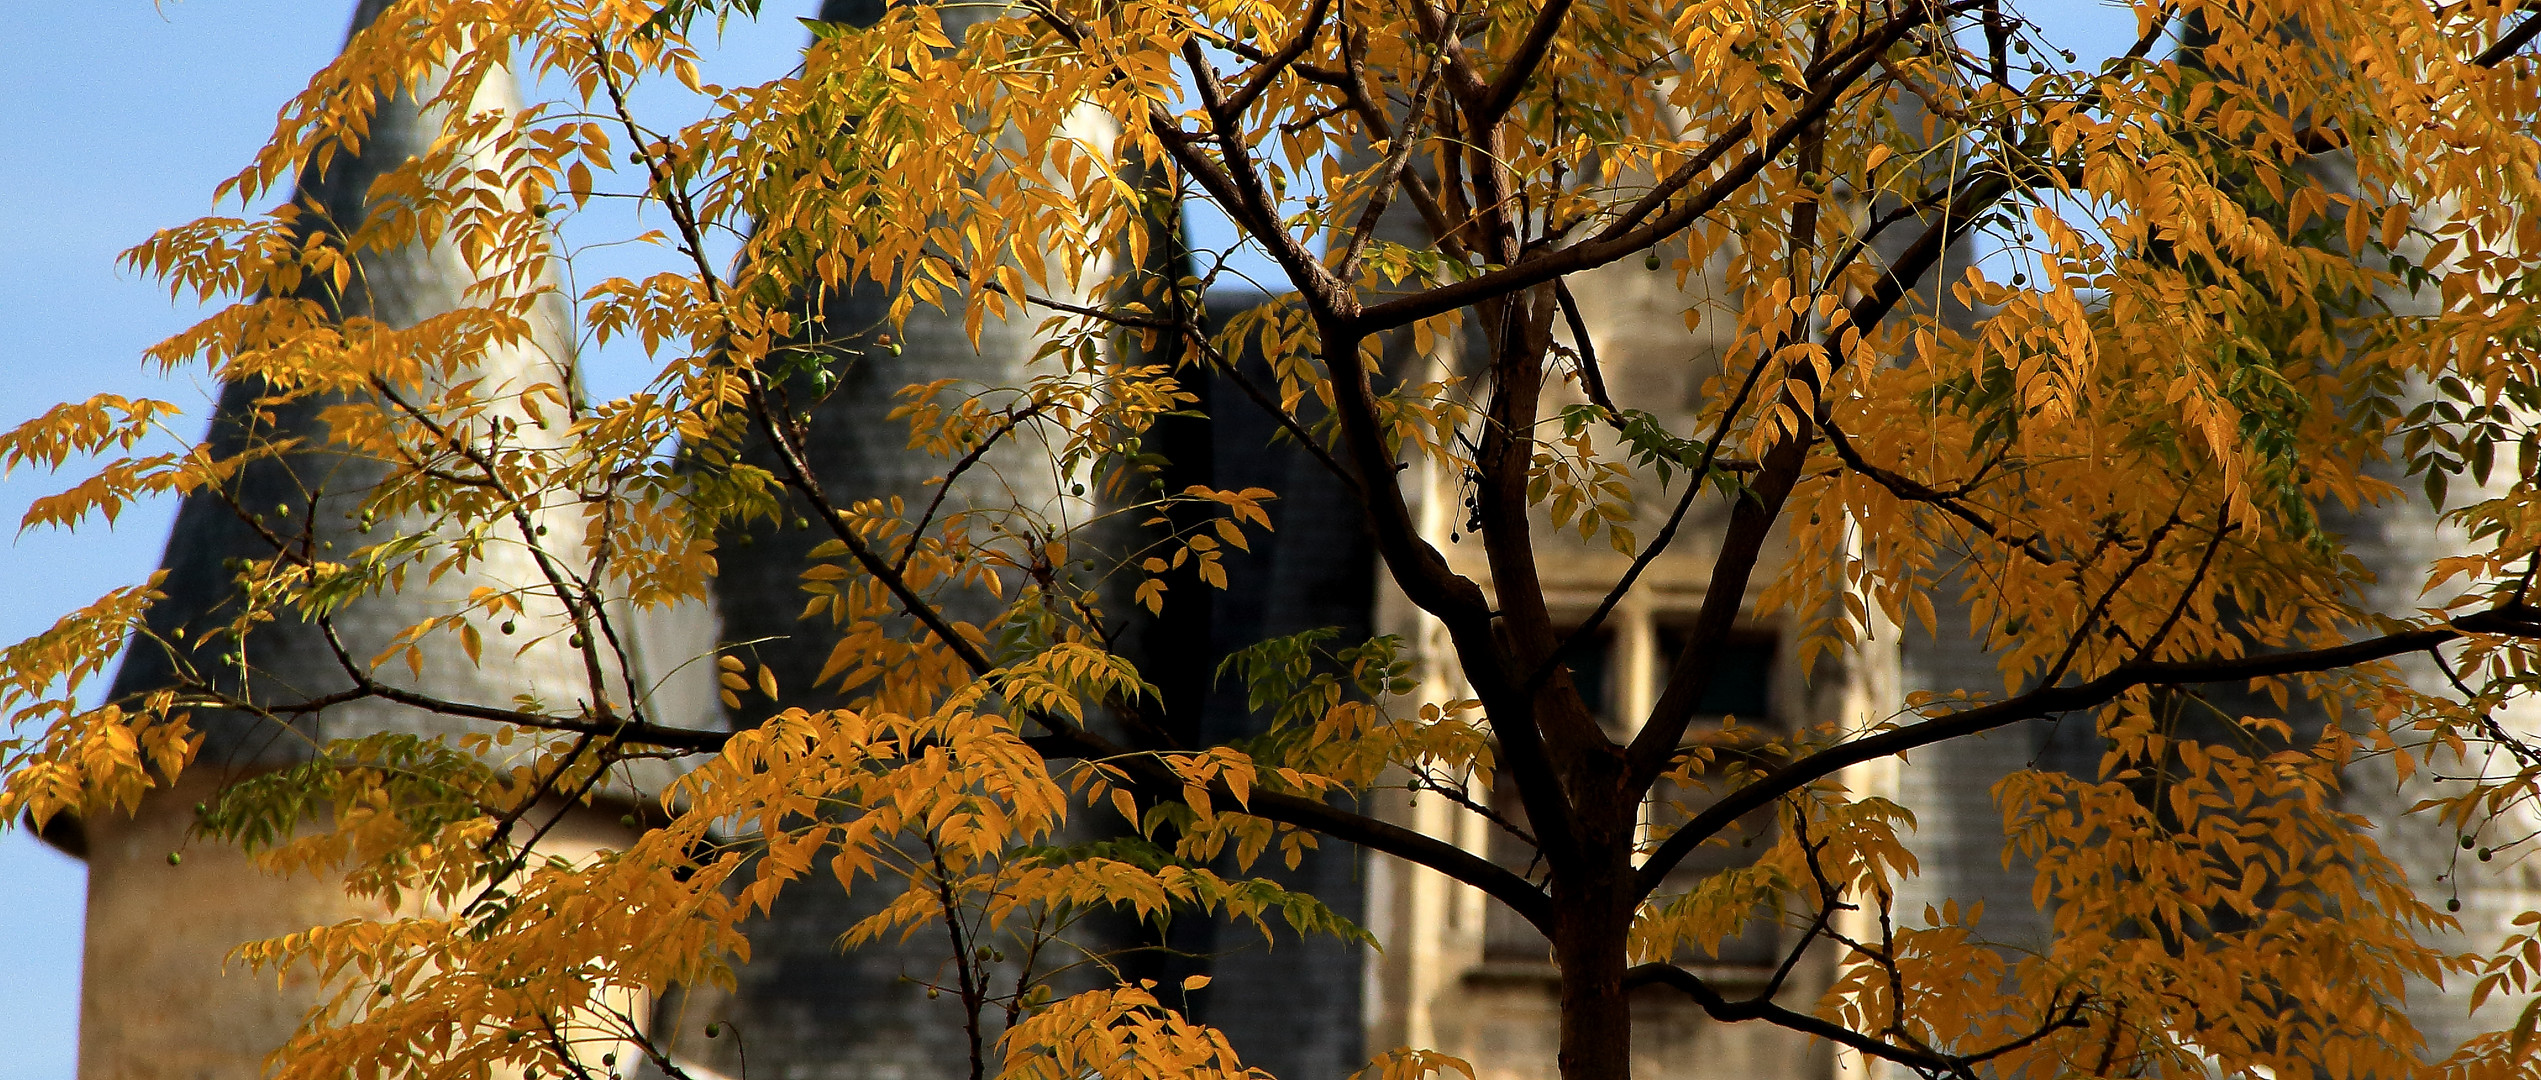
(1591, 923)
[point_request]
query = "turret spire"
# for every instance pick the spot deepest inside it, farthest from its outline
(156, 1001)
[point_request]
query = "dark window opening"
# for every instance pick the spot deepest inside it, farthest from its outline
(1742, 672)
(1592, 663)
(1741, 687)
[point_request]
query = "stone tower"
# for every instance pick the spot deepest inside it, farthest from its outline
(155, 1002)
(803, 1007)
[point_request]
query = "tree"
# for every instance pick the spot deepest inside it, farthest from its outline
(2280, 277)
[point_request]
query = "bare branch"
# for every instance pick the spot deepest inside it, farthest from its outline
(1591, 378)
(1727, 1011)
(1388, 174)
(2519, 622)
(944, 487)
(1950, 502)
(2508, 45)
(621, 729)
(1654, 219)
(1495, 100)
(1259, 79)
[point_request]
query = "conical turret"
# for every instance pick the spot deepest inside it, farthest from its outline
(155, 1000)
(803, 1006)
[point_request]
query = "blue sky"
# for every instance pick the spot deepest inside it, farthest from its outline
(119, 117)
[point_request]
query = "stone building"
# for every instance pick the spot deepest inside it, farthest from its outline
(1454, 974)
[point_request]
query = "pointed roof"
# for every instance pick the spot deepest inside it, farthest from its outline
(322, 492)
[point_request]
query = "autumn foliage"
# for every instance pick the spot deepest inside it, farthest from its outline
(2270, 271)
